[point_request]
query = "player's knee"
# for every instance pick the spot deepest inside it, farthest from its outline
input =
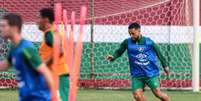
(137, 95)
(163, 97)
(159, 96)
(158, 93)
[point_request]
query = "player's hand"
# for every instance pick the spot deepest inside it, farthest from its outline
(167, 70)
(109, 57)
(56, 96)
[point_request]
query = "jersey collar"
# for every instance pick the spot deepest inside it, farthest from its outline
(139, 41)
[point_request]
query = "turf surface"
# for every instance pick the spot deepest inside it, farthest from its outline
(112, 95)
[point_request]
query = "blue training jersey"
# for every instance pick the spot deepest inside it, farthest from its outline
(30, 82)
(142, 59)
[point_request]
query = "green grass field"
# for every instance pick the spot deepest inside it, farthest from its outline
(112, 95)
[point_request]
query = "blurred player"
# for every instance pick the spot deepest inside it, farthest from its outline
(32, 75)
(142, 54)
(45, 23)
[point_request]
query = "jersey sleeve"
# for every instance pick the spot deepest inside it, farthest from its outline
(159, 55)
(32, 57)
(49, 39)
(123, 46)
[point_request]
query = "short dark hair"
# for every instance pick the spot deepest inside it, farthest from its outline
(47, 13)
(14, 20)
(134, 25)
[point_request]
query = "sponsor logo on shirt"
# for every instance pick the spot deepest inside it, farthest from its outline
(142, 59)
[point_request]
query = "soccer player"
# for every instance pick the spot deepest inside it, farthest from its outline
(32, 75)
(142, 54)
(45, 23)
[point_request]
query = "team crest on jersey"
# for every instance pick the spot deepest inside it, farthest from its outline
(141, 49)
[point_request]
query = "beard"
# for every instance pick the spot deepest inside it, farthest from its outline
(136, 38)
(40, 28)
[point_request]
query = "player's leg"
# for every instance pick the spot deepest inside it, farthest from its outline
(154, 84)
(162, 96)
(64, 87)
(138, 95)
(137, 88)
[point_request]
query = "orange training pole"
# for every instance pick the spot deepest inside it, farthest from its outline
(79, 47)
(65, 37)
(72, 60)
(56, 46)
(68, 44)
(78, 52)
(70, 57)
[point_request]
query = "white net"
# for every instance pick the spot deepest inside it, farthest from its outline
(167, 22)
